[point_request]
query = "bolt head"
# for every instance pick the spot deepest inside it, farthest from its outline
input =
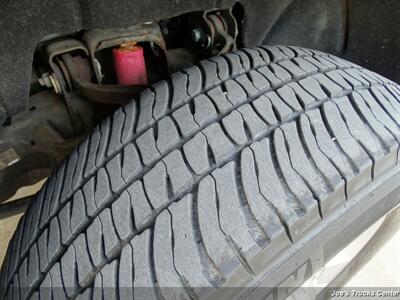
(197, 35)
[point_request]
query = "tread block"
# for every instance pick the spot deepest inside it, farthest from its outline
(263, 106)
(187, 260)
(264, 54)
(220, 145)
(329, 64)
(94, 138)
(270, 75)
(289, 96)
(143, 282)
(348, 78)
(255, 125)
(204, 110)
(168, 135)
(222, 66)
(389, 103)
(54, 202)
(179, 93)
(312, 86)
(219, 99)
(155, 184)
(259, 81)
(68, 271)
(330, 173)
(264, 214)
(349, 145)
(42, 248)
(78, 213)
(194, 84)
(333, 89)
(214, 238)
(114, 170)
(69, 175)
(331, 148)
(84, 265)
(234, 62)
(126, 273)
(95, 242)
(167, 276)
(110, 238)
(146, 104)
(38, 208)
(293, 69)
(102, 192)
(195, 151)
(142, 211)
(276, 53)
(178, 172)
(234, 126)
(115, 144)
(357, 75)
(108, 274)
(33, 266)
(234, 92)
(391, 146)
(282, 110)
(131, 165)
(305, 65)
(64, 217)
(306, 100)
(296, 183)
(185, 120)
(321, 67)
(56, 281)
(130, 121)
(380, 114)
(83, 149)
(280, 73)
(255, 57)
(287, 51)
(54, 246)
(307, 168)
(88, 192)
(162, 94)
(247, 85)
(147, 147)
(363, 134)
(338, 78)
(105, 132)
(272, 190)
(122, 216)
(210, 70)
(231, 213)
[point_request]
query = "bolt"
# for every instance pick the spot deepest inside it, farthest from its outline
(50, 81)
(45, 80)
(197, 35)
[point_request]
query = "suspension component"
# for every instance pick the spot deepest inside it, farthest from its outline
(130, 66)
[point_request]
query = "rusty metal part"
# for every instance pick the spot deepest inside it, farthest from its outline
(213, 32)
(97, 40)
(51, 53)
(79, 72)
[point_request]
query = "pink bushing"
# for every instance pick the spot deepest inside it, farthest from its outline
(130, 65)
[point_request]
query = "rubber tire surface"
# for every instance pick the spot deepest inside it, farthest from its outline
(208, 178)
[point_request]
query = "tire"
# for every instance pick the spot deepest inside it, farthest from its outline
(249, 169)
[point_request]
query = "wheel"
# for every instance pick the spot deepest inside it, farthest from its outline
(249, 169)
